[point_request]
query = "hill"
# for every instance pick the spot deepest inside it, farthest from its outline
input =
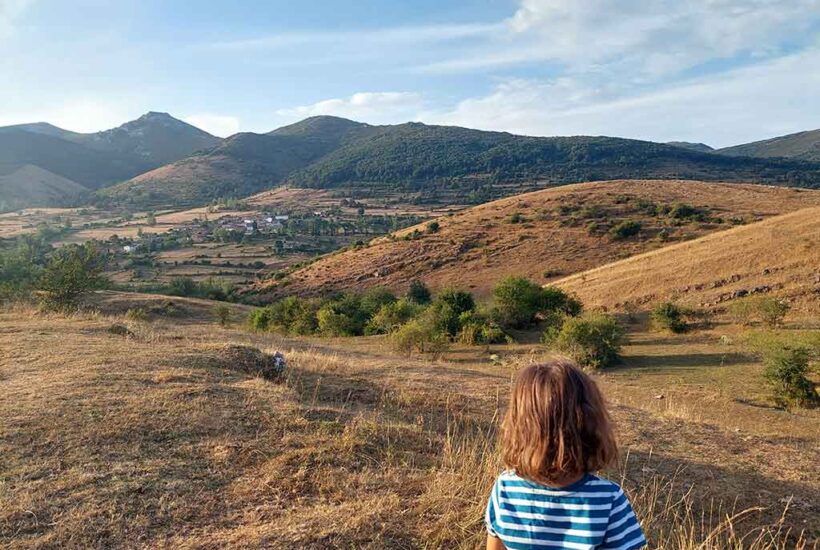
(702, 147)
(542, 235)
(94, 160)
(244, 164)
(29, 184)
(780, 254)
(802, 145)
(433, 164)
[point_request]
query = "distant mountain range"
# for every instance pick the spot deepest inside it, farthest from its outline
(158, 160)
(38, 156)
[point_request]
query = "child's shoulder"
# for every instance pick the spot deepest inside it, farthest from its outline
(590, 483)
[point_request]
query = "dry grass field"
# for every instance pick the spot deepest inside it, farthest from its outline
(781, 254)
(158, 438)
(543, 235)
(25, 221)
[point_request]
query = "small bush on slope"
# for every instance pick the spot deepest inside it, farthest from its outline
(519, 301)
(786, 372)
(669, 316)
(593, 340)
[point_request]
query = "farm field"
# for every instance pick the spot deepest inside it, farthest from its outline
(159, 437)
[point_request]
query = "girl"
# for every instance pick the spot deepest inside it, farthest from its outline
(555, 435)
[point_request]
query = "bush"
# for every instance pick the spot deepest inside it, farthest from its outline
(418, 293)
(446, 310)
(291, 315)
(223, 314)
(71, 272)
(519, 301)
(669, 316)
(433, 227)
(137, 314)
(593, 340)
(420, 335)
(768, 310)
(391, 316)
(786, 372)
(478, 329)
(516, 217)
(625, 229)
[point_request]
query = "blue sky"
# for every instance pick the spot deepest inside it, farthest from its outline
(717, 71)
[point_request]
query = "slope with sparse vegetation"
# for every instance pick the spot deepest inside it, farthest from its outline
(543, 235)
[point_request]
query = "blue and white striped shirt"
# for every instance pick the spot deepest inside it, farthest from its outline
(591, 513)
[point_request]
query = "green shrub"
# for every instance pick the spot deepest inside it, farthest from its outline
(446, 309)
(223, 314)
(766, 309)
(669, 316)
(71, 272)
(291, 315)
(478, 328)
(593, 340)
(786, 372)
(420, 335)
(519, 302)
(516, 217)
(433, 227)
(391, 316)
(418, 293)
(625, 229)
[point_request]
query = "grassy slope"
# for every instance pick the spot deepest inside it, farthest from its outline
(782, 253)
(155, 441)
(477, 247)
(32, 186)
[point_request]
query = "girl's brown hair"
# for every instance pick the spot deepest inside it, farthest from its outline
(556, 426)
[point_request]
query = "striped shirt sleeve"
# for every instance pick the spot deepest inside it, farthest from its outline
(490, 515)
(623, 531)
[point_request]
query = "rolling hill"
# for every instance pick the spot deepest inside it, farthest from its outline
(91, 160)
(802, 145)
(244, 164)
(780, 254)
(29, 184)
(542, 235)
(437, 164)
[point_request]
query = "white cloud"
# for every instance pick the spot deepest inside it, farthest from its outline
(642, 38)
(770, 98)
(373, 107)
(218, 125)
(361, 38)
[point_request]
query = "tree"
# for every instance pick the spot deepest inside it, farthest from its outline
(71, 272)
(418, 293)
(151, 218)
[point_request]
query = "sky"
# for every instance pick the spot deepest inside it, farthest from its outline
(721, 72)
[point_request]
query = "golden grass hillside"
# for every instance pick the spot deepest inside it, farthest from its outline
(160, 438)
(779, 255)
(542, 235)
